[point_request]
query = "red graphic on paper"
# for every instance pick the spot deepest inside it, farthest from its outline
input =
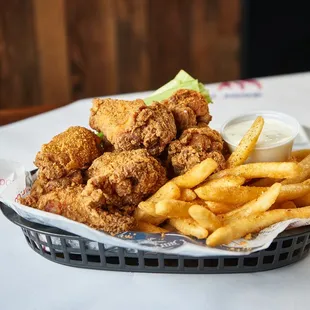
(242, 84)
(5, 182)
(22, 193)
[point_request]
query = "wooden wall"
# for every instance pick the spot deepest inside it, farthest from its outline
(57, 51)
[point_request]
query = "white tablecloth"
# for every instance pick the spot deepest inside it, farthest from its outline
(28, 281)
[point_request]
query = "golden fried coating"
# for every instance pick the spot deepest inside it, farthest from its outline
(131, 125)
(125, 178)
(43, 186)
(70, 203)
(67, 152)
(189, 108)
(195, 145)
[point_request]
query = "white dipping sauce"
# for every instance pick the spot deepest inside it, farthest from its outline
(274, 132)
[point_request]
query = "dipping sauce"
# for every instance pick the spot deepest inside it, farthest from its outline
(274, 132)
(276, 139)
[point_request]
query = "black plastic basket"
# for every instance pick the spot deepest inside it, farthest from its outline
(68, 249)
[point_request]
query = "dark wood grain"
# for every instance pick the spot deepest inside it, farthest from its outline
(169, 33)
(19, 78)
(91, 36)
(133, 45)
(50, 30)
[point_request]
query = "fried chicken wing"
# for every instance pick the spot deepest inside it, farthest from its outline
(70, 203)
(189, 108)
(125, 178)
(130, 125)
(195, 145)
(67, 152)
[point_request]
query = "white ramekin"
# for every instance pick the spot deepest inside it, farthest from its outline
(273, 152)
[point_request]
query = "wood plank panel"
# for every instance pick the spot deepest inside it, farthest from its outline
(216, 40)
(19, 80)
(228, 60)
(91, 36)
(132, 45)
(169, 35)
(49, 21)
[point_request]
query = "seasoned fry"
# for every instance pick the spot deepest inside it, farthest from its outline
(294, 191)
(204, 217)
(196, 175)
(187, 194)
(173, 208)
(149, 228)
(189, 227)
(229, 180)
(303, 201)
(141, 215)
(300, 154)
(148, 207)
(246, 145)
(305, 172)
(168, 191)
(220, 207)
(261, 204)
(230, 195)
(277, 170)
(254, 223)
(243, 194)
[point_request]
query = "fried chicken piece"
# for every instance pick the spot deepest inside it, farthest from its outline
(43, 186)
(189, 108)
(130, 125)
(125, 178)
(71, 150)
(195, 145)
(69, 203)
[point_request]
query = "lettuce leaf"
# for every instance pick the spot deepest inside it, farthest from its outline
(181, 80)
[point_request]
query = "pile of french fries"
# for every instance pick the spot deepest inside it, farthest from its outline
(233, 203)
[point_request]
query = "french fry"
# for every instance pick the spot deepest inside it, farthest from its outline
(303, 201)
(246, 145)
(229, 180)
(141, 215)
(204, 217)
(254, 223)
(146, 209)
(189, 227)
(261, 204)
(305, 172)
(187, 194)
(149, 228)
(196, 175)
(237, 195)
(173, 208)
(278, 170)
(300, 154)
(293, 191)
(168, 191)
(243, 194)
(220, 207)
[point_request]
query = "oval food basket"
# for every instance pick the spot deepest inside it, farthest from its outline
(68, 249)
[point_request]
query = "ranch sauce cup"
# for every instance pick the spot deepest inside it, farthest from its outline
(276, 139)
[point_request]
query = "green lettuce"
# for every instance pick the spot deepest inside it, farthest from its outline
(182, 81)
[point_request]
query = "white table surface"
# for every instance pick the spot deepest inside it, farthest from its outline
(28, 281)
